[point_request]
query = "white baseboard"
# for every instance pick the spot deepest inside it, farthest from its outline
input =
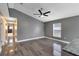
(58, 40)
(36, 38)
(31, 39)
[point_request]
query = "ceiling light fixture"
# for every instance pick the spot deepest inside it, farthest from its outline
(42, 13)
(42, 16)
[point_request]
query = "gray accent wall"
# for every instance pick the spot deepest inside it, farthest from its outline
(70, 28)
(28, 27)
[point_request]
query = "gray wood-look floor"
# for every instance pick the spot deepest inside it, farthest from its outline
(40, 47)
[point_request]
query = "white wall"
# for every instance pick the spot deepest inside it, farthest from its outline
(4, 9)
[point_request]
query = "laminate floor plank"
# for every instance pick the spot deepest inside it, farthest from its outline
(40, 47)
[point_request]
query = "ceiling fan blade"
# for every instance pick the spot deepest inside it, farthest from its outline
(45, 15)
(47, 12)
(40, 12)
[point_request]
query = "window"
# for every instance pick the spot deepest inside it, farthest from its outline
(57, 30)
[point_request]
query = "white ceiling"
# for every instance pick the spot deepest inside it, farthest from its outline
(58, 10)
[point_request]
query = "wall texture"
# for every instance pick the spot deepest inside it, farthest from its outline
(28, 27)
(4, 9)
(70, 28)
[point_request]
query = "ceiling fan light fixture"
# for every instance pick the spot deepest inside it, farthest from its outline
(42, 16)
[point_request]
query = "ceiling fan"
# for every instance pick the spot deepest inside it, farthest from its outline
(41, 13)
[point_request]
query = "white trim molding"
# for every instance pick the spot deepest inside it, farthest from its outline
(58, 40)
(36, 38)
